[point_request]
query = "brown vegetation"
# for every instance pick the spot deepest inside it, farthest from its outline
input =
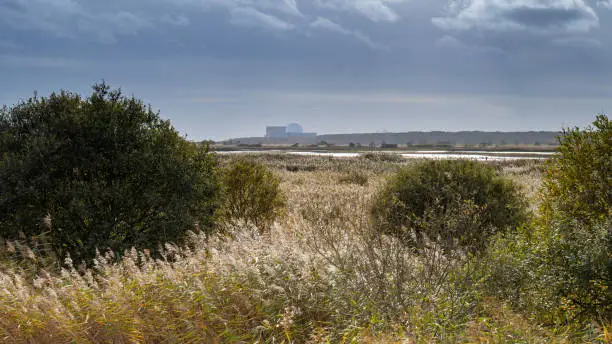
(321, 274)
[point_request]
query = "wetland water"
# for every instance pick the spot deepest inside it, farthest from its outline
(471, 155)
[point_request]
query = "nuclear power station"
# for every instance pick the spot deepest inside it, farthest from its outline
(290, 130)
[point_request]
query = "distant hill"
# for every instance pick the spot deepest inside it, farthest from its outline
(416, 138)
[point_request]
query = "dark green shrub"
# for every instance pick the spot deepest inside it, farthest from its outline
(561, 276)
(252, 194)
(451, 190)
(578, 183)
(561, 269)
(105, 171)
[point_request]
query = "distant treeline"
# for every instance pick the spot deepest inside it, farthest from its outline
(416, 138)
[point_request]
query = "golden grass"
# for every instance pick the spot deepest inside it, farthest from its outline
(320, 275)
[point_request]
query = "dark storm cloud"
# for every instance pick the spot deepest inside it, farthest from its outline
(536, 16)
(546, 18)
(296, 60)
(70, 19)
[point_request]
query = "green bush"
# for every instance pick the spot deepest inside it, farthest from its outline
(560, 277)
(252, 194)
(561, 269)
(104, 171)
(578, 183)
(473, 201)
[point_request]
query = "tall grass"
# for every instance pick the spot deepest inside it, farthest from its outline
(321, 274)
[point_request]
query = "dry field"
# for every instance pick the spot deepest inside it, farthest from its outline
(320, 275)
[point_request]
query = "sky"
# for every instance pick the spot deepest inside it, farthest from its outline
(222, 69)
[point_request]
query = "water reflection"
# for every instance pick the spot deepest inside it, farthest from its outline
(471, 155)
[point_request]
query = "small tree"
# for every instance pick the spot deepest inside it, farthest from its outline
(252, 195)
(564, 271)
(105, 171)
(578, 183)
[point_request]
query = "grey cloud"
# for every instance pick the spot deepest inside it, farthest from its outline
(535, 16)
(449, 42)
(289, 7)
(39, 14)
(578, 42)
(460, 47)
(546, 18)
(520, 49)
(326, 24)
(286, 6)
(107, 26)
(248, 16)
(604, 3)
(178, 20)
(375, 10)
(275, 15)
(106, 22)
(68, 18)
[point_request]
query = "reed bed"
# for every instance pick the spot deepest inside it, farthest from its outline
(321, 274)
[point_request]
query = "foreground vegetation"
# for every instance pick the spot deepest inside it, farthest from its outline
(100, 172)
(294, 253)
(320, 274)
